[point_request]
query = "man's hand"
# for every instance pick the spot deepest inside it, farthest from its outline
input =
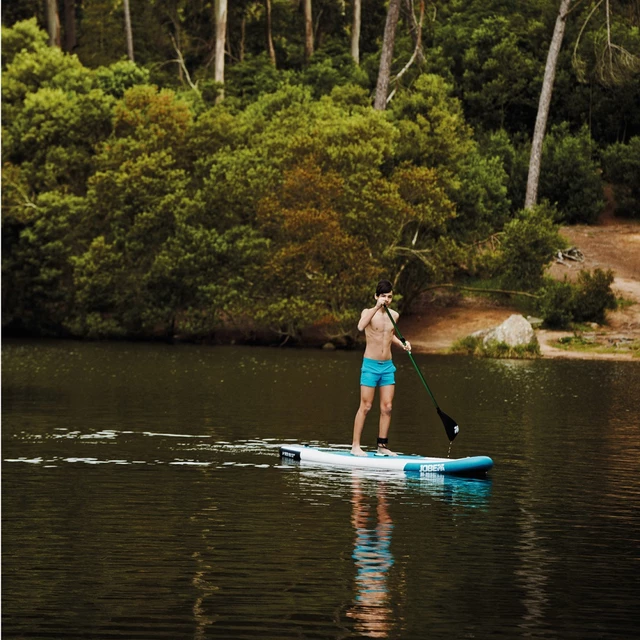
(407, 345)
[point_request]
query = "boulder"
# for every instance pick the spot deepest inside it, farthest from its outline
(515, 331)
(536, 323)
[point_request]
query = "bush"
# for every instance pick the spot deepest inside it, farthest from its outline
(556, 304)
(621, 165)
(593, 296)
(562, 302)
(528, 244)
(569, 177)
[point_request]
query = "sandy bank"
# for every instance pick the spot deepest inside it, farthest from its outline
(438, 323)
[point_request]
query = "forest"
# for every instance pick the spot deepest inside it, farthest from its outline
(248, 171)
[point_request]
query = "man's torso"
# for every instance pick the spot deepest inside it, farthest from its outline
(379, 334)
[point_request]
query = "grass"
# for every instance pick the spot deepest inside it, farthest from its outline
(474, 347)
(624, 303)
(578, 342)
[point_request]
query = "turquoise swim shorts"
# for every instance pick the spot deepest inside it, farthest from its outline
(377, 373)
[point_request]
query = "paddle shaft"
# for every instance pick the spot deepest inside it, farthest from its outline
(417, 368)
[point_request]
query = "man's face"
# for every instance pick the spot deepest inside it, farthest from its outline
(385, 297)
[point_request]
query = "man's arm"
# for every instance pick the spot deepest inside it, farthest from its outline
(406, 345)
(367, 315)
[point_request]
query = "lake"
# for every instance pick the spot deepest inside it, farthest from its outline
(143, 497)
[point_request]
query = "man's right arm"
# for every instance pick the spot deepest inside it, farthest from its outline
(366, 316)
(365, 319)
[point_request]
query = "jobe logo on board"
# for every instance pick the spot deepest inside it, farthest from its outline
(431, 468)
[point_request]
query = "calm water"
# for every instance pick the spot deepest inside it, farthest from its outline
(142, 497)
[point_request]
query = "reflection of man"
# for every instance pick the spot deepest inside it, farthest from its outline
(373, 558)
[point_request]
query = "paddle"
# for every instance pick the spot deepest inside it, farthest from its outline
(450, 425)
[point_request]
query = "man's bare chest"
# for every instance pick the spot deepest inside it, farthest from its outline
(380, 325)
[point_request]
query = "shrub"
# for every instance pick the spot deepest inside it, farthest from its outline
(569, 177)
(562, 302)
(556, 303)
(528, 244)
(621, 165)
(593, 296)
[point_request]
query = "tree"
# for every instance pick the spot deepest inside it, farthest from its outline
(500, 75)
(53, 23)
(528, 244)
(221, 31)
(127, 30)
(570, 176)
(355, 31)
(268, 33)
(315, 267)
(137, 197)
(308, 30)
(386, 57)
(613, 64)
(622, 169)
(544, 105)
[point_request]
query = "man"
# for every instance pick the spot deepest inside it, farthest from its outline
(377, 368)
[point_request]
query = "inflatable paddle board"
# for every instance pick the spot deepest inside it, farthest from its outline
(474, 466)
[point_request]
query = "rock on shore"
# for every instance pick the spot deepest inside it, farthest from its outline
(515, 331)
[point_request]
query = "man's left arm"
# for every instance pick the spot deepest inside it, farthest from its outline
(395, 340)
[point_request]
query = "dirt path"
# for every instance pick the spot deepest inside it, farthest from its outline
(444, 319)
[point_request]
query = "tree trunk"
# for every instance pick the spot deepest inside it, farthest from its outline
(270, 48)
(70, 34)
(386, 58)
(243, 37)
(221, 31)
(127, 30)
(355, 31)
(53, 23)
(308, 30)
(543, 106)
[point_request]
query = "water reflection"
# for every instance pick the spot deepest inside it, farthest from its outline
(533, 573)
(373, 558)
(407, 487)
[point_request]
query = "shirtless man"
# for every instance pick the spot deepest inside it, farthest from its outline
(377, 368)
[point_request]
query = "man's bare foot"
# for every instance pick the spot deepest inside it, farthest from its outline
(385, 451)
(357, 451)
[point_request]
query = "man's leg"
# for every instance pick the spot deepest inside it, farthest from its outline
(386, 405)
(366, 401)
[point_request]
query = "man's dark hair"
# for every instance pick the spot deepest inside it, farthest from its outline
(384, 286)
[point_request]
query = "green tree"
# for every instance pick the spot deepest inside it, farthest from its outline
(500, 74)
(527, 246)
(135, 194)
(622, 169)
(315, 268)
(38, 241)
(570, 176)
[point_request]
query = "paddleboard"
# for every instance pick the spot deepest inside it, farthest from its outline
(472, 466)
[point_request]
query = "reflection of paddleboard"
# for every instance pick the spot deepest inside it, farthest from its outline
(475, 466)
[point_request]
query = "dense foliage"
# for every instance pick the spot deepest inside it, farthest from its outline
(137, 204)
(562, 303)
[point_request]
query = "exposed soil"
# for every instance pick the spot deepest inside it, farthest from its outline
(442, 319)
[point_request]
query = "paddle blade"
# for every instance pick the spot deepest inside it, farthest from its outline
(450, 425)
